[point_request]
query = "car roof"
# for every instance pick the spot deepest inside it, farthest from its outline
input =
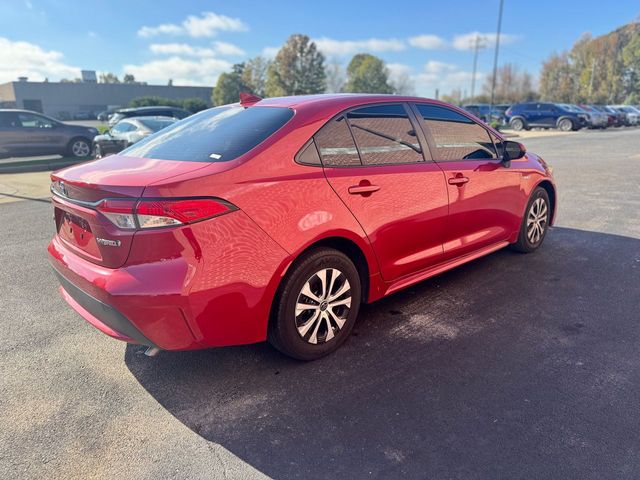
(145, 109)
(149, 117)
(20, 110)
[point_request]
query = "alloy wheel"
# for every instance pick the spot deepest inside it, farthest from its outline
(80, 148)
(537, 220)
(323, 306)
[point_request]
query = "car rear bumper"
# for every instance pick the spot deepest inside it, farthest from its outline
(114, 301)
(205, 285)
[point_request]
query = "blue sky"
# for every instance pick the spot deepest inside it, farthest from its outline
(192, 42)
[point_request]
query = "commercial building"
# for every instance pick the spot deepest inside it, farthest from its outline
(65, 100)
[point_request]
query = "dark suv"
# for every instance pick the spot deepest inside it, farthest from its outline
(172, 112)
(546, 115)
(24, 133)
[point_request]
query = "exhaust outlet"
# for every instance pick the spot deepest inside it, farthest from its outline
(151, 351)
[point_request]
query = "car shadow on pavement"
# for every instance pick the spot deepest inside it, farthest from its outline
(513, 366)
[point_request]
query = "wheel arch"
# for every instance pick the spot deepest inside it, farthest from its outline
(551, 191)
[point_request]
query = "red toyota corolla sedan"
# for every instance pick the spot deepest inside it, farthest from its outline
(275, 219)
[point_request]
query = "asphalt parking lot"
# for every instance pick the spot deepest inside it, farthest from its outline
(513, 366)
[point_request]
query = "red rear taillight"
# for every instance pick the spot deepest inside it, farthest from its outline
(153, 213)
(119, 212)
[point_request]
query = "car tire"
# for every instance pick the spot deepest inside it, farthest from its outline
(566, 125)
(535, 222)
(316, 306)
(79, 148)
(97, 152)
(517, 124)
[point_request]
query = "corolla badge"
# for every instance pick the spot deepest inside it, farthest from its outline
(107, 242)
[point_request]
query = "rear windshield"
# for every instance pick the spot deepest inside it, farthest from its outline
(216, 135)
(155, 124)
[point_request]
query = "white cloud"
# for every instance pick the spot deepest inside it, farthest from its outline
(332, 47)
(219, 48)
(26, 59)
(270, 52)
(435, 75)
(180, 49)
(207, 24)
(399, 69)
(467, 41)
(202, 71)
(427, 42)
(224, 48)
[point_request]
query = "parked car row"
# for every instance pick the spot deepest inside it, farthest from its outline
(24, 133)
(567, 117)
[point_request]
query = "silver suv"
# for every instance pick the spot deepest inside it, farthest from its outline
(24, 133)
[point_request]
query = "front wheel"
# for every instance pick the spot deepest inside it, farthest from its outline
(317, 305)
(97, 152)
(517, 124)
(535, 222)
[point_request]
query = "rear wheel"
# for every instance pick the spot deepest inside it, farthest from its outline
(517, 124)
(566, 125)
(79, 147)
(317, 305)
(535, 222)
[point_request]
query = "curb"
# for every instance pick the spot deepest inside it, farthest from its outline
(21, 166)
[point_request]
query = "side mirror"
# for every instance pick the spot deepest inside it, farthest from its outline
(512, 151)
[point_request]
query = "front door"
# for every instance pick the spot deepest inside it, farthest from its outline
(374, 161)
(483, 192)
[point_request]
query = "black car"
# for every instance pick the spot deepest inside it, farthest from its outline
(24, 133)
(545, 115)
(127, 132)
(174, 112)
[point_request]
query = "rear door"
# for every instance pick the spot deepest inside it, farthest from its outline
(38, 134)
(374, 161)
(10, 138)
(484, 194)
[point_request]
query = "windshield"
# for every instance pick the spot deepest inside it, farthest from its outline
(215, 135)
(155, 124)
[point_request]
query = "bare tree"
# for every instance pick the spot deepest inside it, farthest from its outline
(336, 76)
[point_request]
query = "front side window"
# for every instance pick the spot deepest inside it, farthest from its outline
(456, 137)
(215, 135)
(384, 135)
(335, 144)
(28, 120)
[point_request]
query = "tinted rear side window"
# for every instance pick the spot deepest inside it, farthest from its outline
(336, 145)
(216, 135)
(384, 135)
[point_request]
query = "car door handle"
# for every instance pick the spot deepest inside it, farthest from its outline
(458, 180)
(363, 189)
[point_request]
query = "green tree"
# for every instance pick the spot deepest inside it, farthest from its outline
(194, 105)
(151, 101)
(254, 75)
(557, 79)
(297, 69)
(128, 78)
(229, 86)
(631, 64)
(367, 74)
(108, 77)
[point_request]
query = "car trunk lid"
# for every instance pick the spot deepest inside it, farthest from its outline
(78, 190)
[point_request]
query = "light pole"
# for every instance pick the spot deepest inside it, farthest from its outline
(495, 59)
(477, 43)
